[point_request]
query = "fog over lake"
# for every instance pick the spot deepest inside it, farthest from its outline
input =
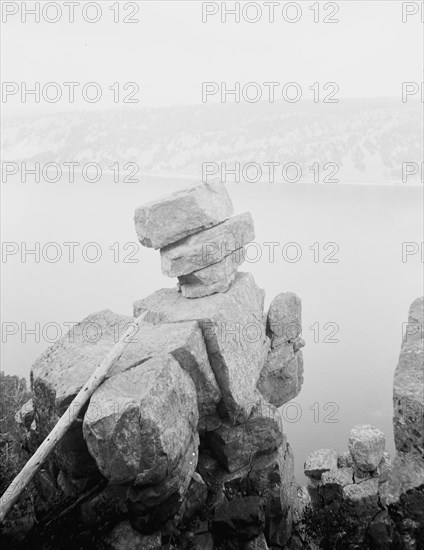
(353, 309)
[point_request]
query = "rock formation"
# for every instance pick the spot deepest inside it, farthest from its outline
(184, 438)
(363, 499)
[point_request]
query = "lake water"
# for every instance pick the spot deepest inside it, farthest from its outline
(353, 310)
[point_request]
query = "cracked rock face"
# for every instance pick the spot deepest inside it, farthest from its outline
(284, 318)
(367, 445)
(232, 327)
(408, 386)
(176, 216)
(139, 423)
(208, 247)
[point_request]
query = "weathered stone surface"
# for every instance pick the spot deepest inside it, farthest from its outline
(124, 537)
(208, 247)
(406, 473)
(384, 467)
(242, 518)
(258, 543)
(284, 318)
(185, 342)
(25, 415)
(414, 331)
(320, 461)
(332, 483)
(408, 386)
(183, 213)
(150, 506)
(232, 327)
(195, 496)
(362, 497)
(139, 423)
(366, 445)
(235, 446)
(282, 375)
(345, 460)
(215, 278)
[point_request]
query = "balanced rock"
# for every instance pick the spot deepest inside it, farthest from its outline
(408, 386)
(139, 423)
(183, 213)
(215, 278)
(366, 445)
(284, 318)
(235, 446)
(320, 461)
(232, 327)
(208, 247)
(282, 375)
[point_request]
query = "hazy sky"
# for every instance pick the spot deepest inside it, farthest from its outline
(170, 52)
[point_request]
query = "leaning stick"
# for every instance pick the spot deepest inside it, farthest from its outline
(21, 481)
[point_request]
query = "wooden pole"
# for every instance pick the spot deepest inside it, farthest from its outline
(21, 481)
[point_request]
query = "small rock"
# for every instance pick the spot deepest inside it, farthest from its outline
(282, 375)
(345, 460)
(242, 518)
(208, 247)
(183, 213)
(362, 497)
(320, 461)
(235, 446)
(383, 468)
(285, 318)
(195, 496)
(332, 483)
(124, 537)
(366, 445)
(258, 543)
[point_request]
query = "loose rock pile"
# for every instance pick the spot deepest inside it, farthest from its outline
(185, 434)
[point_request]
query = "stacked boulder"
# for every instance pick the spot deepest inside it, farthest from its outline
(199, 241)
(182, 429)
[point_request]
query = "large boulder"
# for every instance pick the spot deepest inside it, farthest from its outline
(282, 375)
(185, 342)
(235, 446)
(284, 321)
(233, 330)
(207, 247)
(183, 213)
(408, 386)
(61, 371)
(366, 445)
(139, 423)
